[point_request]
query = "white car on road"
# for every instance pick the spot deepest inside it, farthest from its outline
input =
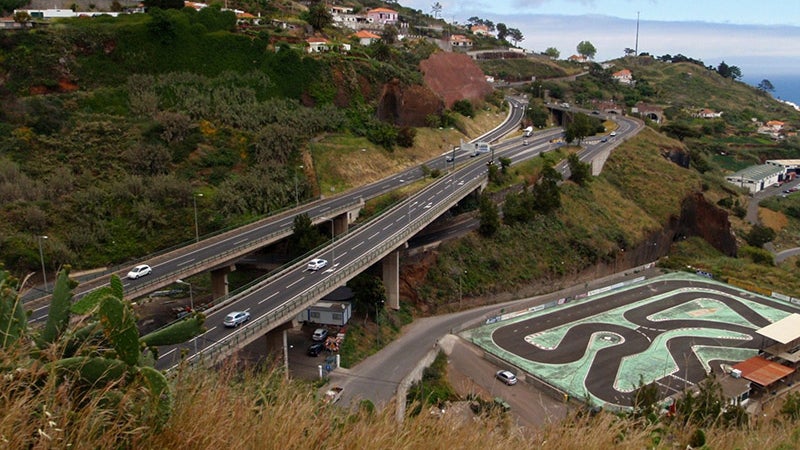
(236, 318)
(506, 377)
(139, 271)
(317, 263)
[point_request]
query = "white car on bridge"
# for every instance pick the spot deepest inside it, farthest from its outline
(317, 263)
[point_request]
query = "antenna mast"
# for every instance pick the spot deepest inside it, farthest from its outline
(636, 47)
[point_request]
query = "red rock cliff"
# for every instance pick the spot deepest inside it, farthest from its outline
(454, 76)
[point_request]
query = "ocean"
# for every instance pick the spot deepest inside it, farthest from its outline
(787, 86)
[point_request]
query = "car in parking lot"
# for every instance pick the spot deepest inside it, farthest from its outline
(319, 335)
(317, 263)
(315, 349)
(139, 271)
(506, 377)
(236, 318)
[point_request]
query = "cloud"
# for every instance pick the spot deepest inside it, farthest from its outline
(709, 42)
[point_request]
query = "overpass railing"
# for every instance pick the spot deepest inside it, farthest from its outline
(226, 255)
(260, 325)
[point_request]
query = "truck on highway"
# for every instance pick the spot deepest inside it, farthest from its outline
(528, 132)
(476, 148)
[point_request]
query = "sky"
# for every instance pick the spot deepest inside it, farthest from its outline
(761, 38)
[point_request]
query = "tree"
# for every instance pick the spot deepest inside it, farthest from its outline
(319, 17)
(502, 31)
(489, 216)
(515, 35)
(735, 73)
(759, 235)
(22, 17)
(538, 115)
(629, 51)
(585, 48)
(580, 172)
(766, 86)
(389, 35)
(406, 136)
(727, 71)
(546, 195)
(8, 6)
(580, 127)
(368, 292)
(552, 52)
(436, 10)
(464, 107)
(305, 236)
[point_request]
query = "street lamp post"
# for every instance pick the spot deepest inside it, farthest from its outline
(333, 240)
(41, 258)
(196, 226)
(191, 306)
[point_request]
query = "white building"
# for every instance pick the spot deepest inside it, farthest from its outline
(756, 178)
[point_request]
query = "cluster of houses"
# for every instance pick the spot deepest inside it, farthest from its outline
(368, 25)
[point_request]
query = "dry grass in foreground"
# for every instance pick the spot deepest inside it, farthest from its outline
(233, 410)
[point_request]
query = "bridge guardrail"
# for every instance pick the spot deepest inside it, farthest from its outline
(293, 306)
(238, 249)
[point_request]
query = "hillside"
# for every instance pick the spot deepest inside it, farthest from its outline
(109, 149)
(114, 133)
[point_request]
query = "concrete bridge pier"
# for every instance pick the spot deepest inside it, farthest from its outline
(276, 343)
(391, 279)
(219, 281)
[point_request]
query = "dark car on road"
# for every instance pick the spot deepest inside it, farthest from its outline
(315, 349)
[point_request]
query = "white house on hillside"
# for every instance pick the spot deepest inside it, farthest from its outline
(624, 76)
(383, 16)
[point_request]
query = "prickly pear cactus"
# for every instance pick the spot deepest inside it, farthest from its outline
(100, 354)
(13, 321)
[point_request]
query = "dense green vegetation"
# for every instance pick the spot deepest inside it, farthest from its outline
(150, 118)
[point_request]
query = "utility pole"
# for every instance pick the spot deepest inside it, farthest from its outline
(636, 47)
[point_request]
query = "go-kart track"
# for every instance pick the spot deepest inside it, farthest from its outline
(672, 329)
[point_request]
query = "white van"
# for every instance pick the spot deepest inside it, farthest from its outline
(528, 131)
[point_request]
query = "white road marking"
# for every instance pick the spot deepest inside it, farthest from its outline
(376, 233)
(273, 295)
(357, 245)
(185, 262)
(241, 240)
(287, 287)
